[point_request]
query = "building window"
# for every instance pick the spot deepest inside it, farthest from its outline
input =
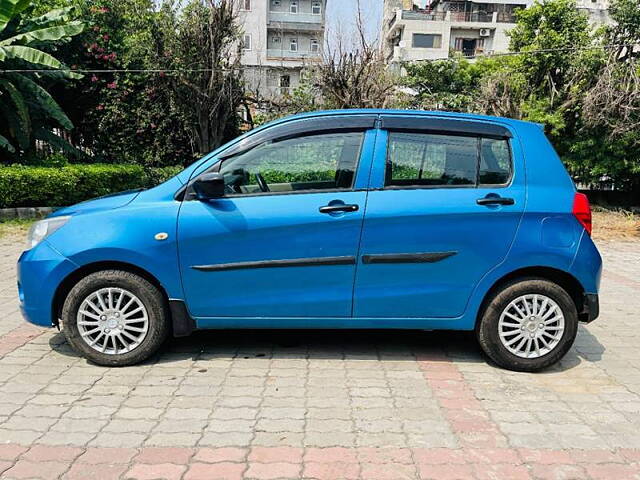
(293, 44)
(315, 46)
(293, 6)
(246, 42)
(316, 8)
(285, 84)
(276, 40)
(245, 5)
(285, 81)
(423, 40)
(275, 3)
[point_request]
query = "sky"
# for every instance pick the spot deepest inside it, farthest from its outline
(341, 20)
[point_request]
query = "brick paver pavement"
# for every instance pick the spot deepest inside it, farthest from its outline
(344, 405)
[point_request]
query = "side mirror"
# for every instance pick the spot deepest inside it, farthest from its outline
(209, 185)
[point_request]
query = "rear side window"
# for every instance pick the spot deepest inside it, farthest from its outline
(495, 162)
(424, 159)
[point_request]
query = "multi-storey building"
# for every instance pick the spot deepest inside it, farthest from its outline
(415, 30)
(281, 37)
(468, 27)
(598, 10)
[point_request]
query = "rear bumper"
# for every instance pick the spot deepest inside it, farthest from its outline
(591, 308)
(40, 272)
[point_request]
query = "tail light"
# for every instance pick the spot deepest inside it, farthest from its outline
(582, 211)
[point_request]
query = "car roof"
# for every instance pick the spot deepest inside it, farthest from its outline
(417, 113)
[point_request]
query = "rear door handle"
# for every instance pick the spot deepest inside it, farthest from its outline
(339, 208)
(491, 200)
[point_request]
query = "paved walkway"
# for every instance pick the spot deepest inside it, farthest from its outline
(316, 405)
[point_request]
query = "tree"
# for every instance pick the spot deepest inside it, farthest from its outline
(200, 43)
(611, 107)
(452, 84)
(357, 79)
(625, 29)
(553, 28)
(354, 78)
(28, 112)
(126, 116)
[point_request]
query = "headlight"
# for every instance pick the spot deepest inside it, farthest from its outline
(43, 228)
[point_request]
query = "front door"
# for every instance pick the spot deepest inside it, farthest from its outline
(469, 46)
(283, 240)
(443, 211)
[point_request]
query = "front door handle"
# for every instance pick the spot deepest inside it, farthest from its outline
(495, 200)
(340, 207)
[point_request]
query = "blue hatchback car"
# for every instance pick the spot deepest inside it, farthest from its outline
(342, 219)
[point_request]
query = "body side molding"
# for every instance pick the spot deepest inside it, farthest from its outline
(294, 262)
(430, 257)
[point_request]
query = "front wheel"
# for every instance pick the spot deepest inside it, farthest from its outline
(528, 325)
(115, 318)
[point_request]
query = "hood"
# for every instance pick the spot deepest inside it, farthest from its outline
(107, 202)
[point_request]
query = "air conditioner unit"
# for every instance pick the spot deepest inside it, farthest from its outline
(485, 32)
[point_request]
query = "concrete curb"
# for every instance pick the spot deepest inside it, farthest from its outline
(25, 212)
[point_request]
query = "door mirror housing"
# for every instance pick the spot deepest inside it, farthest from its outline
(208, 186)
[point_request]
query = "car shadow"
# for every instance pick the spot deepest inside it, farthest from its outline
(392, 345)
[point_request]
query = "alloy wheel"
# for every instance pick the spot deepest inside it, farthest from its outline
(531, 326)
(112, 321)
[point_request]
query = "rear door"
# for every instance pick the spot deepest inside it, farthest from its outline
(445, 202)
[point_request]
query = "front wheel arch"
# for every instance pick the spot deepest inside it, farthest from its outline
(565, 280)
(74, 277)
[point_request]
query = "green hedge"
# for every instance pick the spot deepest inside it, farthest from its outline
(25, 186)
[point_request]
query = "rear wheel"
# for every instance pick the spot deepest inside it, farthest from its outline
(115, 318)
(528, 325)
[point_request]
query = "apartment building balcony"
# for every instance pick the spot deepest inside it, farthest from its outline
(479, 18)
(424, 16)
(299, 22)
(297, 56)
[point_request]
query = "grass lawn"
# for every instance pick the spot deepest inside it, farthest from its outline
(615, 224)
(15, 229)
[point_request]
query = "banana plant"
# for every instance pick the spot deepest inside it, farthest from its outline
(27, 111)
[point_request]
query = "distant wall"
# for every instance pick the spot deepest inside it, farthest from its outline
(613, 198)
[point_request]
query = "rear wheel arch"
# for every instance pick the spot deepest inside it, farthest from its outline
(565, 280)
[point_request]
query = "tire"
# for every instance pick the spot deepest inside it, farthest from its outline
(148, 316)
(560, 333)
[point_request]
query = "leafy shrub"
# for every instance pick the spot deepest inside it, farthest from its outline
(25, 186)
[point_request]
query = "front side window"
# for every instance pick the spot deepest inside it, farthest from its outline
(316, 8)
(293, 44)
(293, 6)
(315, 46)
(422, 40)
(318, 162)
(422, 159)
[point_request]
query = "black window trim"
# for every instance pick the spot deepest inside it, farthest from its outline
(188, 195)
(298, 128)
(476, 185)
(444, 126)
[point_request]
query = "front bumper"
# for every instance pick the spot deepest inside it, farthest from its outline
(591, 308)
(40, 272)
